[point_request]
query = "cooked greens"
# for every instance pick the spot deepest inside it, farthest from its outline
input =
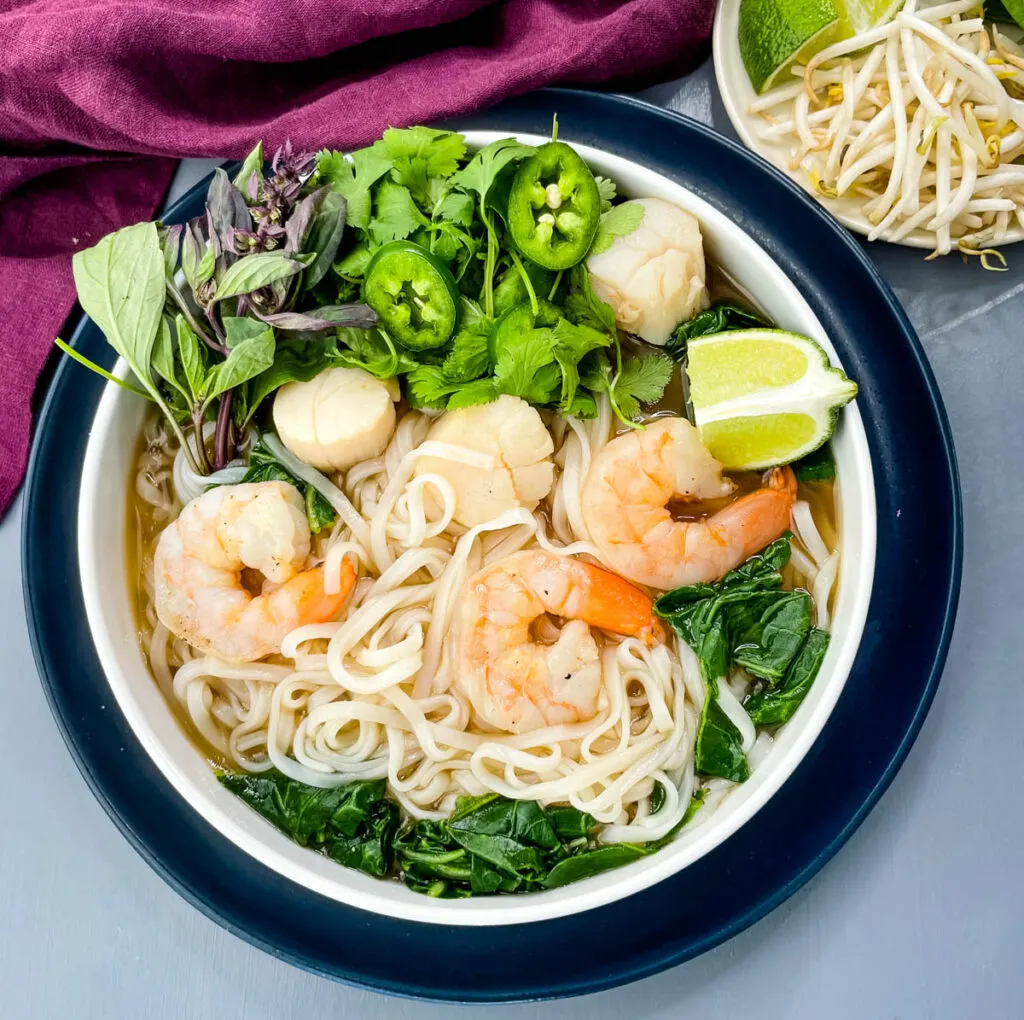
(489, 844)
(265, 467)
(745, 620)
(355, 824)
(719, 318)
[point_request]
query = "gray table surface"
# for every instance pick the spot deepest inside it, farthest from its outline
(920, 915)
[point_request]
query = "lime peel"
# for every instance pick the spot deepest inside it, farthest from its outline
(763, 397)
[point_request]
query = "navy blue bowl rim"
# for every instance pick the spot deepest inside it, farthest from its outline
(527, 114)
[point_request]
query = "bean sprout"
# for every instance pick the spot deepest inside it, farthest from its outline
(918, 122)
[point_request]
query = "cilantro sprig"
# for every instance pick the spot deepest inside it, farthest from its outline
(421, 184)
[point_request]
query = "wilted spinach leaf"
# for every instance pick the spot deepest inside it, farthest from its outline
(742, 620)
(770, 708)
(265, 467)
(720, 318)
(819, 466)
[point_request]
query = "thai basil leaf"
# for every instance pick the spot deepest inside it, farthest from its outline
(771, 708)
(717, 319)
(239, 328)
(252, 164)
(193, 359)
(163, 357)
(248, 359)
(298, 223)
(294, 361)
(329, 317)
(258, 270)
(121, 286)
(170, 244)
(718, 750)
(819, 466)
(324, 237)
(767, 645)
(226, 207)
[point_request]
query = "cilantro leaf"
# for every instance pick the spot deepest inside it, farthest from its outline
(478, 175)
(619, 221)
(483, 391)
(606, 189)
(583, 405)
(572, 343)
(457, 207)
(372, 351)
(527, 369)
(642, 381)
(395, 215)
(427, 387)
(422, 157)
(469, 358)
(577, 341)
(353, 176)
(583, 306)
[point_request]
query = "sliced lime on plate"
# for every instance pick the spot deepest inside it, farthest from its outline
(776, 34)
(763, 397)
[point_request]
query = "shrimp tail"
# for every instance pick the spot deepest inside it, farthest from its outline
(612, 603)
(303, 599)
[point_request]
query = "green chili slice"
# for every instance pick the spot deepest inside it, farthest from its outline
(554, 207)
(413, 294)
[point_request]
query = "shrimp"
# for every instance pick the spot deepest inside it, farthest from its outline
(518, 684)
(625, 508)
(198, 568)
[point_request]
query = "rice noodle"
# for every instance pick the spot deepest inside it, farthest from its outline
(375, 695)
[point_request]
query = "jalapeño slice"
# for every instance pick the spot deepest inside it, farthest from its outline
(554, 207)
(413, 294)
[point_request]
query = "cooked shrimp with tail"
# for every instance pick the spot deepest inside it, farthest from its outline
(517, 683)
(200, 557)
(625, 508)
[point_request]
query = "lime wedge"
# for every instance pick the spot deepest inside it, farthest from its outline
(775, 34)
(763, 397)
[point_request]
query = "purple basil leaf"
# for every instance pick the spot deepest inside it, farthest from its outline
(357, 316)
(300, 219)
(324, 237)
(170, 242)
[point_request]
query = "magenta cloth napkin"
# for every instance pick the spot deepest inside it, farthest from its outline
(84, 82)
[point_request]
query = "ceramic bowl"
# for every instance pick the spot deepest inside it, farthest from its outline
(102, 523)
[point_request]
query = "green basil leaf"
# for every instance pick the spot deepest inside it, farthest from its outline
(163, 357)
(193, 359)
(252, 164)
(121, 286)
(258, 270)
(248, 359)
(237, 329)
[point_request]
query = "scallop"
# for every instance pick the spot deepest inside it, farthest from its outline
(653, 278)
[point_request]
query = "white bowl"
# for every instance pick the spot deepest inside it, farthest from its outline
(737, 95)
(102, 544)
